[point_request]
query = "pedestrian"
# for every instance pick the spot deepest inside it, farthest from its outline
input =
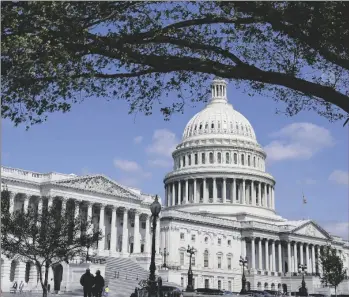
(87, 281)
(99, 284)
(106, 291)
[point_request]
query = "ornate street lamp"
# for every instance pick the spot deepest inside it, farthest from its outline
(190, 287)
(243, 263)
(303, 270)
(155, 209)
(164, 254)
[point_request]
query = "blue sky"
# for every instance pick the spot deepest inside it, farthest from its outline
(306, 152)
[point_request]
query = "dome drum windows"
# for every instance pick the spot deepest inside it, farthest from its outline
(219, 158)
(189, 160)
(183, 160)
(203, 158)
(242, 159)
(248, 160)
(211, 159)
(235, 158)
(196, 159)
(227, 158)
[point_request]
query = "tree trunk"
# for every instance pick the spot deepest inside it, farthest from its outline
(335, 291)
(44, 287)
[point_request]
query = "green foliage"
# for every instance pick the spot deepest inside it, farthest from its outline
(46, 238)
(56, 54)
(333, 271)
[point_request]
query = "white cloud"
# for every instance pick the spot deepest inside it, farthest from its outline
(138, 139)
(160, 163)
(310, 181)
(339, 177)
(131, 167)
(337, 228)
(163, 144)
(298, 141)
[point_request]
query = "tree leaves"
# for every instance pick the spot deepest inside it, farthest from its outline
(55, 54)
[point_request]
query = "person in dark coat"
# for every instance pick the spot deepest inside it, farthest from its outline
(99, 284)
(87, 280)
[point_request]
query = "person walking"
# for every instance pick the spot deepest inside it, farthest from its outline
(99, 284)
(87, 281)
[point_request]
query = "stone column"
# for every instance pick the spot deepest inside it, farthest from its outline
(50, 201)
(194, 191)
(301, 253)
(307, 256)
(313, 258)
(260, 262)
(101, 243)
(253, 193)
(186, 191)
(253, 252)
(89, 217)
(125, 232)
(113, 231)
(319, 265)
(179, 193)
(77, 213)
(204, 191)
(12, 202)
(267, 254)
(40, 205)
(259, 194)
(136, 238)
(234, 191)
(273, 256)
(157, 241)
(273, 197)
(147, 235)
(243, 198)
(64, 207)
(26, 203)
(289, 260)
(224, 190)
(280, 257)
(173, 196)
(295, 257)
(166, 196)
(243, 247)
(214, 190)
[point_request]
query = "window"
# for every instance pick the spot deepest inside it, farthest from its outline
(212, 125)
(254, 161)
(227, 158)
(219, 284)
(206, 126)
(219, 240)
(143, 225)
(203, 158)
(242, 160)
(235, 158)
(183, 161)
(206, 239)
(249, 160)
(200, 127)
(195, 128)
(182, 258)
(193, 237)
(219, 262)
(196, 159)
(193, 261)
(206, 259)
(229, 285)
(211, 158)
(219, 125)
(229, 263)
(225, 125)
(207, 283)
(182, 281)
(142, 248)
(219, 157)
(182, 236)
(189, 160)
(229, 242)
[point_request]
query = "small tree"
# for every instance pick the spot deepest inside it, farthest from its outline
(333, 271)
(46, 238)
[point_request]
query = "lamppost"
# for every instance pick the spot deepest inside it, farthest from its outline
(303, 270)
(190, 287)
(155, 209)
(165, 254)
(243, 263)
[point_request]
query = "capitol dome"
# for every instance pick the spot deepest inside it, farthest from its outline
(219, 118)
(219, 167)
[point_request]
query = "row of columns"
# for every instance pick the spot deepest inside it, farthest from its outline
(101, 225)
(232, 190)
(289, 252)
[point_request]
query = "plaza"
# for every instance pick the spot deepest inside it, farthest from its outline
(219, 200)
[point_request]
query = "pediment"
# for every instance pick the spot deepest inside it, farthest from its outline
(99, 184)
(311, 229)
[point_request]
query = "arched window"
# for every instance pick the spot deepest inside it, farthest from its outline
(219, 158)
(248, 160)
(200, 127)
(227, 158)
(183, 161)
(195, 128)
(211, 158)
(206, 258)
(235, 158)
(242, 159)
(189, 160)
(203, 159)
(212, 125)
(254, 162)
(206, 126)
(196, 159)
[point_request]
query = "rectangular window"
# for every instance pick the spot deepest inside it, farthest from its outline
(203, 160)
(182, 258)
(142, 248)
(189, 160)
(219, 262)
(193, 237)
(143, 225)
(183, 161)
(229, 242)
(229, 285)
(182, 282)
(219, 284)
(182, 236)
(219, 240)
(196, 159)
(207, 283)
(229, 263)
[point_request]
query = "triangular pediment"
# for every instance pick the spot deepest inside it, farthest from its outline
(99, 184)
(311, 229)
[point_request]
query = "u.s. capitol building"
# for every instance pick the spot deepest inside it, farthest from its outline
(219, 199)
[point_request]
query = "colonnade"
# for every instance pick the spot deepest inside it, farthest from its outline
(281, 256)
(220, 190)
(107, 217)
